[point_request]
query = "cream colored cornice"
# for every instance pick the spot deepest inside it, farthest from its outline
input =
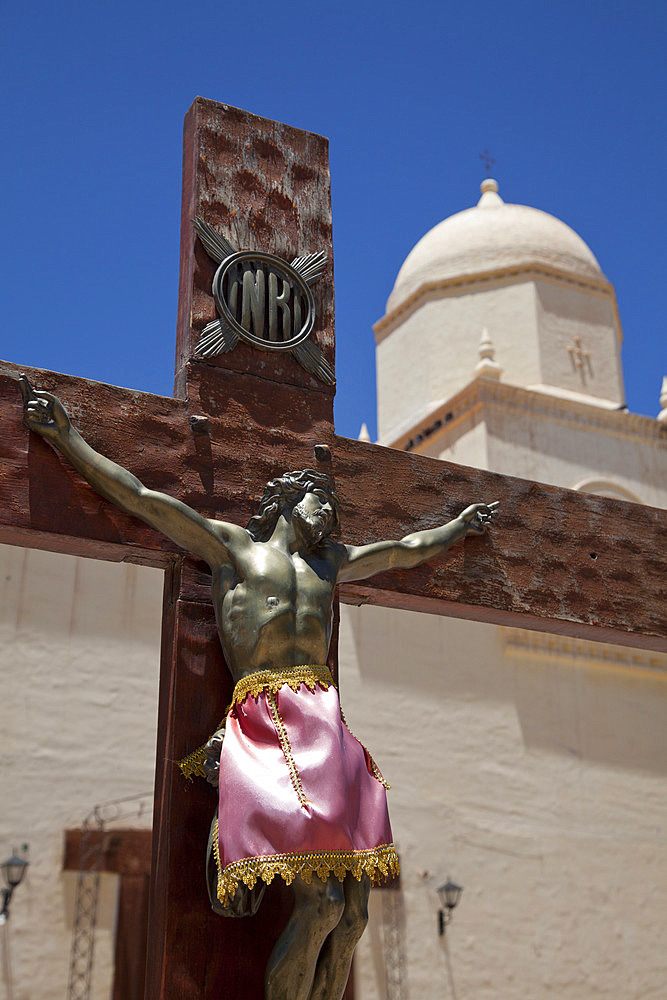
(489, 279)
(483, 393)
(525, 644)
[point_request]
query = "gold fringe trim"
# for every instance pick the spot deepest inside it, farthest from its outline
(374, 768)
(216, 848)
(264, 680)
(286, 748)
(271, 681)
(193, 764)
(377, 862)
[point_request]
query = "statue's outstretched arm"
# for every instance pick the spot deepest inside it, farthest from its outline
(362, 561)
(211, 541)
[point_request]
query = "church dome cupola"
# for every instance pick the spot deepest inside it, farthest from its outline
(489, 236)
(518, 272)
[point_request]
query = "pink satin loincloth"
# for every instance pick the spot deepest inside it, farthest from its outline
(299, 795)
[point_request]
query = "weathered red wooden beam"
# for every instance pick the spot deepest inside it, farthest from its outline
(127, 853)
(45, 504)
(152, 436)
(264, 186)
(123, 851)
(131, 938)
(557, 560)
(195, 687)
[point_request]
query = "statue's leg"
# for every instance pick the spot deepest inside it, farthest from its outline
(317, 909)
(333, 966)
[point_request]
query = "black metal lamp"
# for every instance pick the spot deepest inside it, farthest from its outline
(13, 870)
(449, 894)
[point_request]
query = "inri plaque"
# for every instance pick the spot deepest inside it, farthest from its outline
(263, 300)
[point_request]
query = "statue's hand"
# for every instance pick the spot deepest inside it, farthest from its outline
(211, 762)
(42, 412)
(479, 517)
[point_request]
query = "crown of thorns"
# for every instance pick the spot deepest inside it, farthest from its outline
(285, 489)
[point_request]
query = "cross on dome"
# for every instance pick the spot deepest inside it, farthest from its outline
(488, 160)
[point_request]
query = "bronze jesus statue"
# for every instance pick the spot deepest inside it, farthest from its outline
(298, 796)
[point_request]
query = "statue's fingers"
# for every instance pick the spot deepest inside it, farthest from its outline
(43, 396)
(39, 409)
(494, 504)
(25, 388)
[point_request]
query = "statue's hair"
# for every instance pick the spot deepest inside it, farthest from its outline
(286, 489)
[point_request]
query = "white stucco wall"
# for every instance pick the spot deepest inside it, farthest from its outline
(469, 446)
(429, 354)
(562, 446)
(576, 453)
(79, 644)
(534, 777)
(565, 312)
(432, 353)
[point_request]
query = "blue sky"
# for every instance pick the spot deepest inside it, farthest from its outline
(566, 95)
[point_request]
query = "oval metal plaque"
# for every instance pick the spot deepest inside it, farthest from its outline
(264, 300)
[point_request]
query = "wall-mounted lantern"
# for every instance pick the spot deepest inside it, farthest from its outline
(449, 894)
(13, 870)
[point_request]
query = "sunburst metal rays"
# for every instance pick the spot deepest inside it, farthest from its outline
(312, 359)
(215, 245)
(219, 336)
(216, 338)
(311, 266)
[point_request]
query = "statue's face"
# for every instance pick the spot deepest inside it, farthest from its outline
(314, 515)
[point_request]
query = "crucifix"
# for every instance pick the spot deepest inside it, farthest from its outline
(563, 562)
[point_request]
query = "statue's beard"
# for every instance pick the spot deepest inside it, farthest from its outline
(312, 526)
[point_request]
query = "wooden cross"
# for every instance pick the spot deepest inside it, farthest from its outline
(558, 561)
(126, 853)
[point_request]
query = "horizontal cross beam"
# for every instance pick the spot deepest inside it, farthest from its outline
(121, 852)
(557, 560)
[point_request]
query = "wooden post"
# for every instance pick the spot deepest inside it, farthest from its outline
(264, 186)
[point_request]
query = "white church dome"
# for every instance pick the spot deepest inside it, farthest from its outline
(489, 236)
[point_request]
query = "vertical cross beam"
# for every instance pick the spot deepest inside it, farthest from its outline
(264, 186)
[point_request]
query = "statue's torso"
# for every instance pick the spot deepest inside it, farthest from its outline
(274, 608)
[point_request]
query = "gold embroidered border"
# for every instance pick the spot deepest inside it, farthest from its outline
(193, 764)
(374, 768)
(272, 681)
(286, 747)
(264, 680)
(377, 862)
(216, 848)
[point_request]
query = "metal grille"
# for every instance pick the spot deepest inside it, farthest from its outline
(85, 909)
